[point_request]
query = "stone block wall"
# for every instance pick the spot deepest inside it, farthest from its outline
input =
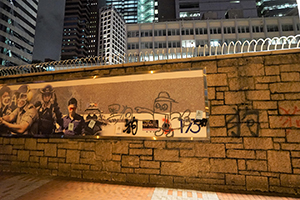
(254, 142)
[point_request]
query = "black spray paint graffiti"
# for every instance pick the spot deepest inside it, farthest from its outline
(247, 117)
(162, 108)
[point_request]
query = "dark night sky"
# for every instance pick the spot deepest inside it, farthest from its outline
(49, 30)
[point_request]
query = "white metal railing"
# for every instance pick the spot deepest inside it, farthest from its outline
(268, 44)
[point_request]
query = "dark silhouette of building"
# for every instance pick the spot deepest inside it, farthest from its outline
(17, 30)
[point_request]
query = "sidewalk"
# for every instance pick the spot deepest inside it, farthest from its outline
(28, 187)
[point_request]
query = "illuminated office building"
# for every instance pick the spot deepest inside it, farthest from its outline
(112, 36)
(17, 30)
(76, 30)
(272, 8)
(136, 11)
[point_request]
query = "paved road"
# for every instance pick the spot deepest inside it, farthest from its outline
(29, 187)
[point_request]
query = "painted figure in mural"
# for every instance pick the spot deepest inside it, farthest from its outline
(73, 123)
(23, 120)
(5, 109)
(48, 110)
(162, 108)
(5, 98)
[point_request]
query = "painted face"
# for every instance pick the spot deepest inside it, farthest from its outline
(22, 100)
(162, 106)
(5, 99)
(72, 109)
(47, 97)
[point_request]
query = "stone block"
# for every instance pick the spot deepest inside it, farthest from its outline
(222, 110)
(292, 96)
(111, 166)
(235, 98)
(256, 165)
(30, 143)
(119, 178)
(265, 105)
(234, 146)
(61, 153)
(43, 162)
(149, 164)
(103, 150)
(223, 165)
(72, 156)
(6, 149)
(290, 76)
(296, 163)
(187, 153)
(166, 155)
(180, 145)
(291, 147)
(261, 155)
(120, 147)
(37, 153)
(277, 97)
(247, 154)
(185, 167)
(23, 155)
(241, 83)
(136, 146)
(155, 144)
(290, 180)
(272, 70)
(279, 161)
(88, 146)
(161, 180)
(15, 141)
(205, 181)
(116, 157)
(226, 140)
(146, 171)
(127, 170)
(211, 92)
(210, 150)
(130, 161)
(267, 79)
(258, 143)
(285, 87)
(50, 150)
(235, 179)
(216, 80)
(272, 133)
(140, 151)
(256, 183)
(95, 175)
(293, 136)
(227, 62)
(80, 167)
(69, 145)
(215, 132)
(258, 95)
(146, 157)
(264, 86)
(251, 70)
(137, 178)
(217, 120)
(52, 166)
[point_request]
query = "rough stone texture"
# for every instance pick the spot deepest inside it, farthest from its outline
(258, 143)
(279, 161)
(257, 183)
(130, 161)
(268, 162)
(185, 167)
(210, 150)
(166, 155)
(223, 165)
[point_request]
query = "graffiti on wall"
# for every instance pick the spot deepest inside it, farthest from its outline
(286, 119)
(39, 111)
(243, 121)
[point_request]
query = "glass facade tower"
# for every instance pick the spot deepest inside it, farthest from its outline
(17, 30)
(136, 11)
(276, 8)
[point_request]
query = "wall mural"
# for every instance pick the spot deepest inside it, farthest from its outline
(159, 105)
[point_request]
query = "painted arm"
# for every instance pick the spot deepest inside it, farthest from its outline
(17, 128)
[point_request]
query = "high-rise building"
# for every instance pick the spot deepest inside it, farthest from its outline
(278, 8)
(136, 11)
(76, 30)
(93, 24)
(215, 9)
(17, 30)
(112, 36)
